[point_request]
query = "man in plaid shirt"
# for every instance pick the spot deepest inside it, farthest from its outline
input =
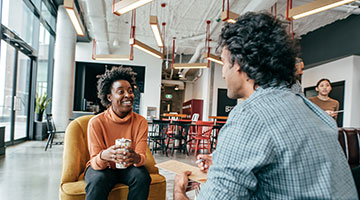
(276, 144)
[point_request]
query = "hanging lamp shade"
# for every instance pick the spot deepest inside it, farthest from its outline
(315, 7)
(156, 31)
(190, 65)
(229, 16)
(124, 6)
(139, 45)
(112, 57)
(213, 58)
(74, 17)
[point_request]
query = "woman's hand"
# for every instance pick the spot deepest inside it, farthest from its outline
(331, 113)
(129, 157)
(110, 154)
(206, 163)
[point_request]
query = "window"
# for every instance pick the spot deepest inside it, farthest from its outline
(46, 14)
(19, 18)
(43, 61)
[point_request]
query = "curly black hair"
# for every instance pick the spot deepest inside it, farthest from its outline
(262, 47)
(106, 80)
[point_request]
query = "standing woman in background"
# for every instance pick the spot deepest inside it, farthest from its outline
(323, 87)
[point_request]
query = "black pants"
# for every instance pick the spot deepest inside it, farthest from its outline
(101, 182)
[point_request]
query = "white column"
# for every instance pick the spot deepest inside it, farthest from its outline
(64, 70)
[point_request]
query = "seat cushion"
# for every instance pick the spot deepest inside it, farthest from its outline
(78, 188)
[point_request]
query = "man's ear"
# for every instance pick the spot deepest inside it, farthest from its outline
(108, 97)
(237, 66)
(316, 89)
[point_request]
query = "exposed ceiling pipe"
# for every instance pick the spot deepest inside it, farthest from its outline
(197, 54)
(95, 19)
(180, 84)
(198, 75)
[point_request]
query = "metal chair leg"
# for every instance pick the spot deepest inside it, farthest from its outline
(48, 141)
(52, 140)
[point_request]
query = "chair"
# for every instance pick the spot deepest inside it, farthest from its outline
(356, 175)
(178, 131)
(352, 144)
(341, 138)
(214, 137)
(75, 157)
(157, 136)
(51, 130)
(202, 138)
(195, 117)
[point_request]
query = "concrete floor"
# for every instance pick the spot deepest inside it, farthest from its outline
(28, 172)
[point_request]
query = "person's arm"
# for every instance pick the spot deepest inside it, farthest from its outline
(96, 146)
(180, 183)
(244, 148)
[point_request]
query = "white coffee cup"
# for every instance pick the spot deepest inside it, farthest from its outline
(124, 144)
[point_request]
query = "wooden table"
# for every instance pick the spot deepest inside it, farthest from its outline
(175, 115)
(215, 118)
(218, 117)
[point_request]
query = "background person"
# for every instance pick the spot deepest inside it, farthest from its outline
(329, 105)
(267, 149)
(299, 66)
(116, 92)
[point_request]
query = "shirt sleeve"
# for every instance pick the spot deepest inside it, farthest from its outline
(96, 145)
(244, 149)
(141, 142)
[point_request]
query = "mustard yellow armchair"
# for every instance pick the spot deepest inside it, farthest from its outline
(75, 157)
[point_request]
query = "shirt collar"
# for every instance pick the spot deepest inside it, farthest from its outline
(113, 117)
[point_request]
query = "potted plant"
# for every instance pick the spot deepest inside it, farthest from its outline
(41, 103)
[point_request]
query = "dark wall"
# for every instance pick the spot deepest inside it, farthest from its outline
(86, 83)
(225, 104)
(331, 42)
(175, 103)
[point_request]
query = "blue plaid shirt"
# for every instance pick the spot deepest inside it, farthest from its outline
(278, 145)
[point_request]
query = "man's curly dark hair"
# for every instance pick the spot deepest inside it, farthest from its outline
(262, 47)
(106, 80)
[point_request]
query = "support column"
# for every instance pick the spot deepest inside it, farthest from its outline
(64, 70)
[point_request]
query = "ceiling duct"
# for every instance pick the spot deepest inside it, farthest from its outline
(173, 83)
(95, 19)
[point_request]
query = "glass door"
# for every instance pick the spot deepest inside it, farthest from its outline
(7, 63)
(14, 92)
(21, 98)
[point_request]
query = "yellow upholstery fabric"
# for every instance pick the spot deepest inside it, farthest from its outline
(76, 155)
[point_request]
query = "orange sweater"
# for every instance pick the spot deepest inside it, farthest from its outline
(106, 127)
(330, 104)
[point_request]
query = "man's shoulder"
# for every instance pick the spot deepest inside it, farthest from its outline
(268, 98)
(271, 103)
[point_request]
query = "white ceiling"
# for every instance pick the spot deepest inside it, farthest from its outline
(186, 20)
